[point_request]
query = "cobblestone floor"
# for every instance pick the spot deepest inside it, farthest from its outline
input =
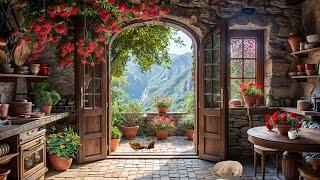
(174, 145)
(149, 169)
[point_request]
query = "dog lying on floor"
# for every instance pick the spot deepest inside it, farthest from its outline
(227, 169)
(137, 146)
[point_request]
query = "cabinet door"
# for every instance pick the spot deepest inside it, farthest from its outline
(92, 118)
(212, 95)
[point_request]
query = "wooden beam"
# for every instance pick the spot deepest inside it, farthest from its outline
(293, 2)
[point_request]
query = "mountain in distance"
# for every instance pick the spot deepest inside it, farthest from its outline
(174, 82)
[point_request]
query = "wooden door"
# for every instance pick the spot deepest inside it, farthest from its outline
(213, 95)
(92, 111)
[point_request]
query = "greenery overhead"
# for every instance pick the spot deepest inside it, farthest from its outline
(64, 144)
(145, 45)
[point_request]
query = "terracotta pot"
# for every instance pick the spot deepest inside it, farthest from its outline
(190, 134)
(114, 144)
(59, 163)
(4, 111)
(283, 129)
(259, 100)
(310, 67)
(162, 135)
(249, 100)
(46, 109)
(301, 68)
(21, 107)
(288, 102)
(44, 69)
(4, 173)
(162, 109)
(130, 132)
(294, 41)
(303, 105)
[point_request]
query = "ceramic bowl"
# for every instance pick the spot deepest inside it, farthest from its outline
(314, 38)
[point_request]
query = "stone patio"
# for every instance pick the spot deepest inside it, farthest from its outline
(174, 145)
(149, 169)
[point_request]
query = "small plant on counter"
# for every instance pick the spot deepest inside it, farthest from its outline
(187, 124)
(46, 100)
(62, 148)
(162, 104)
(115, 138)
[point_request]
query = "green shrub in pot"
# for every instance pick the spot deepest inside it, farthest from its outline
(62, 148)
(46, 100)
(115, 137)
(131, 118)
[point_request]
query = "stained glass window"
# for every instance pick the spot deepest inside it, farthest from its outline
(243, 61)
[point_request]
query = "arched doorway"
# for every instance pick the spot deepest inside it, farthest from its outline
(94, 122)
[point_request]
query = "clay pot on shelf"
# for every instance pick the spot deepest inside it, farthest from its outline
(190, 134)
(301, 68)
(162, 109)
(310, 67)
(4, 173)
(46, 109)
(162, 135)
(249, 101)
(4, 111)
(294, 41)
(259, 100)
(130, 132)
(58, 163)
(44, 69)
(21, 107)
(283, 129)
(288, 102)
(303, 105)
(114, 144)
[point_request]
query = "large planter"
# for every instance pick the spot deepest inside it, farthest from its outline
(58, 163)
(283, 129)
(249, 101)
(162, 135)
(162, 109)
(114, 144)
(294, 41)
(46, 109)
(190, 134)
(130, 132)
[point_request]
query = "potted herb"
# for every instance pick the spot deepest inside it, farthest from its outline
(249, 91)
(187, 125)
(46, 100)
(131, 118)
(162, 125)
(62, 148)
(283, 122)
(115, 138)
(162, 104)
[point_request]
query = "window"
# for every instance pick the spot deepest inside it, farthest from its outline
(246, 59)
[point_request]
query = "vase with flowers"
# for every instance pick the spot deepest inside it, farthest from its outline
(162, 125)
(284, 122)
(162, 104)
(249, 92)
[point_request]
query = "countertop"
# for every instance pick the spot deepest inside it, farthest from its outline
(13, 130)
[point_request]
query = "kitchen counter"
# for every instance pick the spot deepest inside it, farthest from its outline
(15, 129)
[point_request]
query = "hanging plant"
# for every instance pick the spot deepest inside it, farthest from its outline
(52, 21)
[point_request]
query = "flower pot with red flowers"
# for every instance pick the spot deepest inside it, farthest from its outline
(186, 124)
(115, 138)
(131, 120)
(62, 148)
(162, 104)
(250, 91)
(162, 125)
(284, 122)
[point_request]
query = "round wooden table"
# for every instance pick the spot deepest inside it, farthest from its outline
(308, 141)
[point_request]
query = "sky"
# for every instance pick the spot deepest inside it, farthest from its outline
(176, 48)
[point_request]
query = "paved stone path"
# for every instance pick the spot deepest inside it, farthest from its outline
(174, 145)
(148, 169)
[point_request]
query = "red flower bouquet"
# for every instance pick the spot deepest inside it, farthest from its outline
(283, 122)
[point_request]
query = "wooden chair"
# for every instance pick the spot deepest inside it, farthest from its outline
(307, 173)
(263, 152)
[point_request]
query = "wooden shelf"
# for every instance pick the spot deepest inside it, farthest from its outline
(21, 76)
(7, 158)
(305, 77)
(304, 52)
(303, 113)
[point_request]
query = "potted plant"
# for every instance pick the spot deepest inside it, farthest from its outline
(283, 122)
(62, 148)
(315, 162)
(162, 125)
(115, 138)
(162, 104)
(131, 118)
(46, 100)
(187, 125)
(249, 91)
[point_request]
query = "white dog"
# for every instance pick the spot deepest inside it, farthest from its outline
(227, 169)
